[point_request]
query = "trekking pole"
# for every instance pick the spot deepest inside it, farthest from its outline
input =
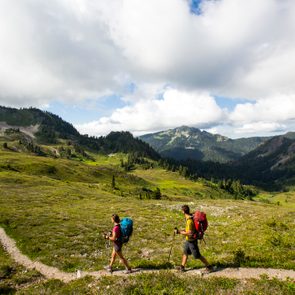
(172, 244)
(107, 241)
(207, 238)
(107, 244)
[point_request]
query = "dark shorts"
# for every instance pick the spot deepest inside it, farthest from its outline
(118, 247)
(191, 248)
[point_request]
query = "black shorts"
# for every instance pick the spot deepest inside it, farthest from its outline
(191, 248)
(118, 247)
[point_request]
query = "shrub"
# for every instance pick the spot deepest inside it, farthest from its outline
(6, 271)
(240, 257)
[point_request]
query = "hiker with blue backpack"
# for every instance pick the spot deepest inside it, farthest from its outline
(121, 232)
(195, 225)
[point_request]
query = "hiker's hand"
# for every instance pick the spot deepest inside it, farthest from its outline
(107, 235)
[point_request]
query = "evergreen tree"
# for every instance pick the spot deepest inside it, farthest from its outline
(113, 182)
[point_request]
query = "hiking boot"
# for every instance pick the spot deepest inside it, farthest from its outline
(108, 269)
(180, 268)
(209, 269)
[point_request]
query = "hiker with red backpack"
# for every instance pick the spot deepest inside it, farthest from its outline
(193, 231)
(120, 235)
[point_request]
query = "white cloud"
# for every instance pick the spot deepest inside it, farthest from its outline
(176, 108)
(260, 127)
(280, 108)
(231, 49)
(275, 114)
(77, 49)
(84, 49)
(50, 51)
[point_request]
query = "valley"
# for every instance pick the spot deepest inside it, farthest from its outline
(56, 206)
(57, 217)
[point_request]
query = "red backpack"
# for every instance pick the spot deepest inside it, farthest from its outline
(201, 224)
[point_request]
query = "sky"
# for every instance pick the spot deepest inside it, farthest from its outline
(225, 66)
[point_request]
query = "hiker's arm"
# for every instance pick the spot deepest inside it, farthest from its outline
(185, 233)
(113, 237)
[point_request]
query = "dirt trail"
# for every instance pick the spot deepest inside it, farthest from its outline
(54, 273)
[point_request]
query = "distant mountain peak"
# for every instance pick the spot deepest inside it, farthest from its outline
(186, 142)
(186, 128)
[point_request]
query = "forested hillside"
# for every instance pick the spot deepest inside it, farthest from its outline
(269, 164)
(191, 143)
(48, 129)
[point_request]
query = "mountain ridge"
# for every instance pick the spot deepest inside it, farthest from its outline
(272, 162)
(42, 127)
(185, 142)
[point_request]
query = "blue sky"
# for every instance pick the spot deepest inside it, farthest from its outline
(194, 5)
(87, 111)
(230, 103)
(145, 66)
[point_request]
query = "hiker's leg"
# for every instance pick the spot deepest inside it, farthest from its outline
(204, 260)
(186, 253)
(184, 260)
(196, 253)
(113, 257)
(124, 261)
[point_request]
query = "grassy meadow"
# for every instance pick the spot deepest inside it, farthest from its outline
(14, 276)
(57, 210)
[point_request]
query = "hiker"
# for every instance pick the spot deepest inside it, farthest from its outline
(191, 243)
(116, 238)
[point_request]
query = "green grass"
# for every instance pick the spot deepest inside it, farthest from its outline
(14, 276)
(169, 182)
(21, 165)
(109, 160)
(14, 279)
(58, 216)
(162, 283)
(174, 185)
(286, 199)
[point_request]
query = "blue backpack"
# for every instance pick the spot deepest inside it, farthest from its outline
(126, 226)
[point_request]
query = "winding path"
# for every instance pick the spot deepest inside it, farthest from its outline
(54, 273)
